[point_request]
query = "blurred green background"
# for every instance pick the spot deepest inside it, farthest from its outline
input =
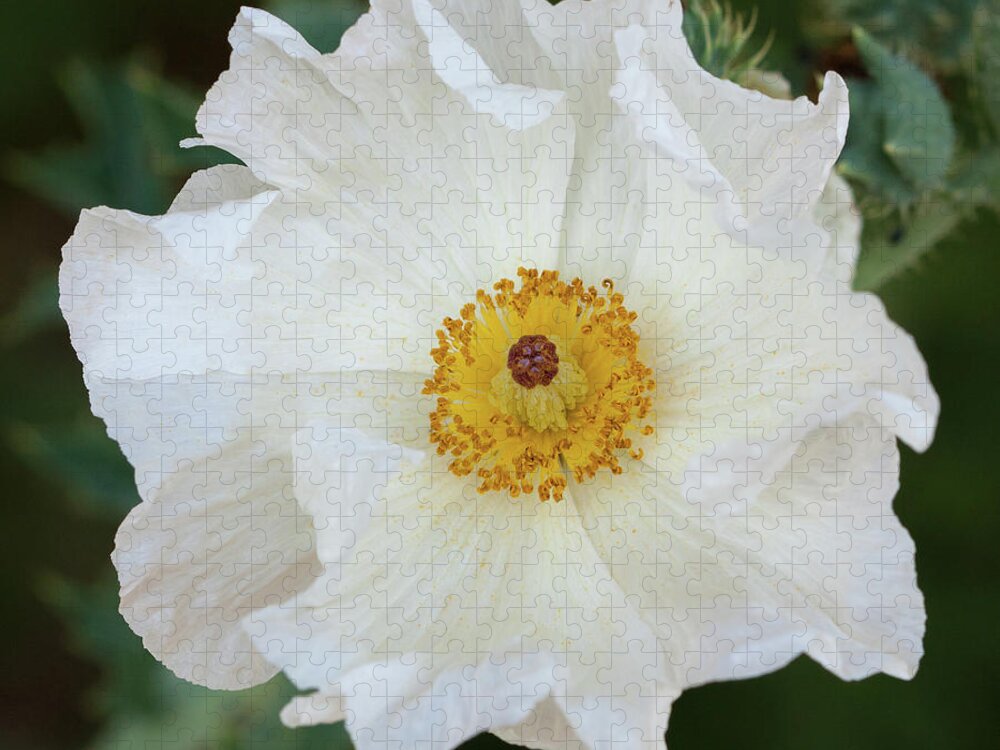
(96, 96)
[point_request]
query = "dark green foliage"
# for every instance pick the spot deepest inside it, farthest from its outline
(81, 457)
(935, 30)
(898, 241)
(132, 682)
(722, 40)
(865, 159)
(986, 65)
(922, 149)
(321, 22)
(132, 120)
(154, 709)
(914, 121)
(899, 150)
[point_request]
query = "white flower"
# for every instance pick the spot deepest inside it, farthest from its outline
(720, 423)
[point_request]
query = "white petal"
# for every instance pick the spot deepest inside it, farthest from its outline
(613, 177)
(517, 107)
(860, 560)
(309, 710)
(454, 614)
(268, 108)
(776, 155)
(338, 470)
(739, 576)
(217, 537)
(637, 187)
(644, 107)
(207, 414)
(747, 347)
(375, 142)
(656, 120)
(221, 531)
(547, 728)
(247, 283)
(840, 221)
(500, 35)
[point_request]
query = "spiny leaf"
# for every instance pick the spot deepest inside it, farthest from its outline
(977, 181)
(864, 158)
(721, 39)
(919, 134)
(987, 41)
(896, 243)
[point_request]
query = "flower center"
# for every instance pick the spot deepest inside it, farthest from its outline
(540, 386)
(537, 383)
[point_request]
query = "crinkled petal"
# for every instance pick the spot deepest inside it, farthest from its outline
(776, 155)
(216, 539)
(505, 606)
(747, 347)
(839, 221)
(744, 571)
(617, 180)
(204, 400)
(270, 108)
(404, 126)
(501, 36)
(754, 163)
(466, 73)
(253, 283)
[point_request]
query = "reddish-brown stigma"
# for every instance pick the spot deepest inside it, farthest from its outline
(533, 361)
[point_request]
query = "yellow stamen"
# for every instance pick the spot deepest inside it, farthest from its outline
(513, 412)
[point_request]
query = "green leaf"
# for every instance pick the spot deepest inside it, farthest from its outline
(896, 243)
(168, 115)
(82, 458)
(938, 32)
(67, 177)
(864, 159)
(36, 310)
(919, 136)
(977, 181)
(321, 22)
(132, 682)
(721, 39)
(987, 42)
(193, 718)
(109, 110)
(133, 121)
(148, 707)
